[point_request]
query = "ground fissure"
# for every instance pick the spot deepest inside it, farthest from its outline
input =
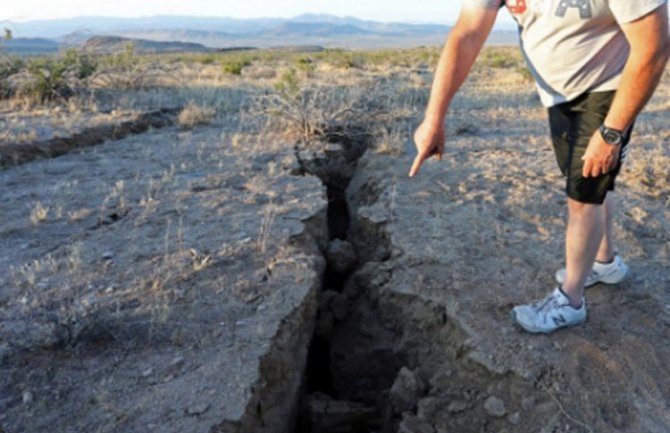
(381, 361)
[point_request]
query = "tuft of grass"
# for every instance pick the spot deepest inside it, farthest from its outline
(194, 115)
(38, 213)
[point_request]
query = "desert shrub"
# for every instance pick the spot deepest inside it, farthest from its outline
(83, 65)
(49, 80)
(10, 65)
(127, 70)
(126, 59)
(305, 65)
(342, 59)
(57, 78)
(236, 65)
(312, 112)
(194, 115)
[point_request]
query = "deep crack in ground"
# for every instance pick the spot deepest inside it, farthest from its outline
(383, 361)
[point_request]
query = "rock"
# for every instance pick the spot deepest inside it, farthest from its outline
(340, 306)
(107, 255)
(442, 380)
(341, 256)
(406, 391)
(197, 409)
(177, 362)
(326, 415)
(458, 406)
(333, 149)
(412, 424)
(515, 418)
(495, 407)
(427, 407)
(27, 397)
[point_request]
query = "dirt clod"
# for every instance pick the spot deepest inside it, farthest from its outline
(495, 407)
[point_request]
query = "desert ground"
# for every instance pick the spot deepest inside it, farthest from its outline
(230, 243)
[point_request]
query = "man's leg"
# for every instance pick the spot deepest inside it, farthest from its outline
(584, 236)
(606, 249)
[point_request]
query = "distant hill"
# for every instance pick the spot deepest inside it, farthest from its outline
(30, 46)
(115, 44)
(296, 28)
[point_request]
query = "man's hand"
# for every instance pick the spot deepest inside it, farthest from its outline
(600, 157)
(429, 140)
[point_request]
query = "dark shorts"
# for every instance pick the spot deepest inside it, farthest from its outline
(572, 126)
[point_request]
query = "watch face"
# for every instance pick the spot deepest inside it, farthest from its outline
(611, 136)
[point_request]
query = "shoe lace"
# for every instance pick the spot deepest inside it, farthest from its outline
(545, 305)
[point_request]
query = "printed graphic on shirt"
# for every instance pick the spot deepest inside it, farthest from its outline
(584, 7)
(516, 7)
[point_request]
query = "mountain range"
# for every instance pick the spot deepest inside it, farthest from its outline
(217, 33)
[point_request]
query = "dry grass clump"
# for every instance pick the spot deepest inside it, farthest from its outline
(307, 111)
(194, 115)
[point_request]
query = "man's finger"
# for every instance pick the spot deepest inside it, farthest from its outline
(598, 169)
(440, 152)
(416, 165)
(586, 170)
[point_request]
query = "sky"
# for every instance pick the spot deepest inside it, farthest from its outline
(442, 12)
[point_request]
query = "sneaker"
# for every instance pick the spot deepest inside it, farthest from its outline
(607, 273)
(549, 314)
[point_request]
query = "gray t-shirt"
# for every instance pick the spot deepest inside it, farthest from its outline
(573, 46)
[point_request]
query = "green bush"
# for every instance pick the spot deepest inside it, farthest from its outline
(55, 78)
(305, 65)
(49, 80)
(125, 61)
(10, 66)
(288, 85)
(340, 58)
(235, 66)
(82, 64)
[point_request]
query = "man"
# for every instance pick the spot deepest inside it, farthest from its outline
(596, 63)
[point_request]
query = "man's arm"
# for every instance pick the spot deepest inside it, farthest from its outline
(460, 51)
(649, 51)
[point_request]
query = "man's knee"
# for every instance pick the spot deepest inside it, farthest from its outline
(578, 208)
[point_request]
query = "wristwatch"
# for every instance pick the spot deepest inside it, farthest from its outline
(610, 135)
